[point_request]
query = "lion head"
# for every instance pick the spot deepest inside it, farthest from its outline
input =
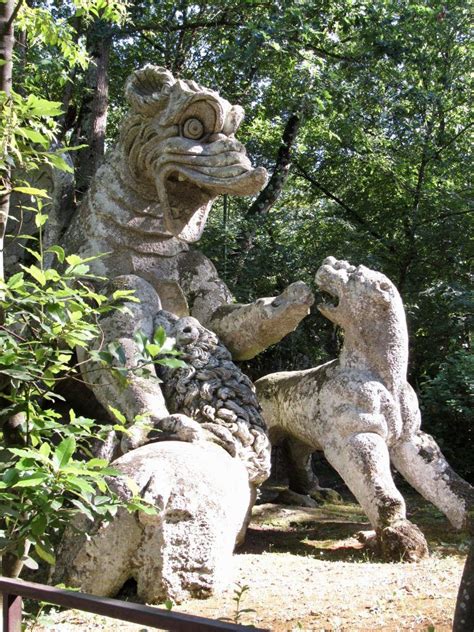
(179, 142)
(356, 295)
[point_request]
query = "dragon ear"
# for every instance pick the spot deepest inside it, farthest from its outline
(147, 89)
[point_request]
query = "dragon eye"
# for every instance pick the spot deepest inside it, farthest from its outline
(193, 128)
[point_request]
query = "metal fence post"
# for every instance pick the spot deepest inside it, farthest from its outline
(12, 608)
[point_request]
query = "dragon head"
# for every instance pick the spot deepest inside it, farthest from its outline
(179, 143)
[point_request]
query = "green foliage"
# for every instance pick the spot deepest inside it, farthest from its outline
(28, 124)
(47, 470)
(27, 131)
(240, 593)
(42, 487)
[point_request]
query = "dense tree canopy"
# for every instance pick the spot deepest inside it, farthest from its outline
(360, 112)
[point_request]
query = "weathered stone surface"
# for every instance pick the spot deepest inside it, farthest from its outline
(361, 411)
(202, 496)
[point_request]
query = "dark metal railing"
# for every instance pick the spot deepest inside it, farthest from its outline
(14, 590)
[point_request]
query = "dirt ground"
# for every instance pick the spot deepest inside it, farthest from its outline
(305, 571)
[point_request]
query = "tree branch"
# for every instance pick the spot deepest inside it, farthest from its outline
(190, 26)
(451, 140)
(350, 212)
(270, 194)
(12, 17)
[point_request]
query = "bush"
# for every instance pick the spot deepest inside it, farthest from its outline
(47, 470)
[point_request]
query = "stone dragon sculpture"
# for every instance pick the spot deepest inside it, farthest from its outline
(362, 413)
(149, 200)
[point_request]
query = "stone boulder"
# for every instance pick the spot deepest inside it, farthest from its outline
(202, 497)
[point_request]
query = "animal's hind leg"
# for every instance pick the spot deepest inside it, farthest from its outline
(363, 461)
(424, 466)
(301, 477)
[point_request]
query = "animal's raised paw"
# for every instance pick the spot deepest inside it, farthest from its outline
(402, 542)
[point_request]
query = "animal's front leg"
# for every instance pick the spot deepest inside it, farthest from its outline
(247, 330)
(419, 459)
(363, 461)
(140, 399)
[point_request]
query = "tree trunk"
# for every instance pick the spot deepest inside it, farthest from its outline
(270, 194)
(7, 41)
(92, 120)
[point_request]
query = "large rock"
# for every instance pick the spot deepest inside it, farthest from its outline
(202, 496)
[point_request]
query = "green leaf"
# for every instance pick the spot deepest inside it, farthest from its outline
(82, 508)
(75, 482)
(172, 363)
(159, 336)
(16, 281)
(153, 349)
(33, 135)
(118, 415)
(58, 251)
(121, 294)
(32, 481)
(44, 554)
(64, 451)
(42, 107)
(45, 449)
(37, 274)
(79, 270)
(33, 253)
(38, 526)
(60, 163)
(40, 219)
(73, 260)
(32, 191)
(52, 275)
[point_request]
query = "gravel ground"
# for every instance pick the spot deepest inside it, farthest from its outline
(305, 571)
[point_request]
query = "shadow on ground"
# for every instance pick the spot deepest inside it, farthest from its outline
(328, 532)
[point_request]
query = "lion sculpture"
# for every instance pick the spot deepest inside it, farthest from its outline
(212, 390)
(362, 413)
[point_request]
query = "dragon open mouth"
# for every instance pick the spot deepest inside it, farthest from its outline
(189, 177)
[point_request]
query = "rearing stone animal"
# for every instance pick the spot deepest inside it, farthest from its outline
(149, 200)
(362, 413)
